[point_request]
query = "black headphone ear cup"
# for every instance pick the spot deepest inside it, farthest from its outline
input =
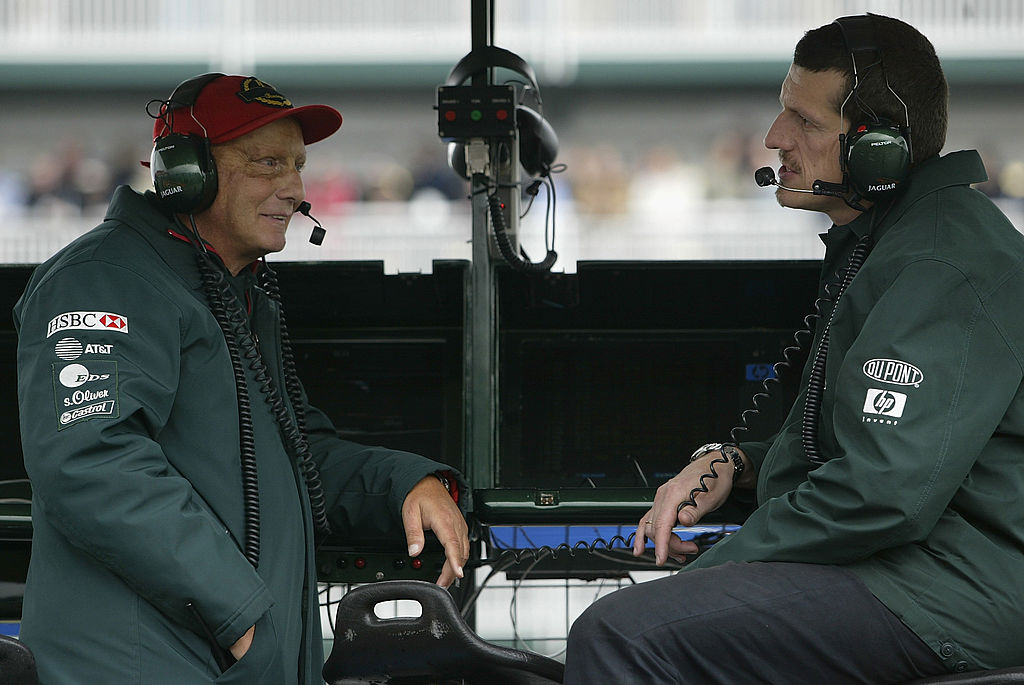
(457, 159)
(538, 143)
(184, 174)
(877, 158)
(487, 57)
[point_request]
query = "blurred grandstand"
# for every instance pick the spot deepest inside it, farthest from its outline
(660, 106)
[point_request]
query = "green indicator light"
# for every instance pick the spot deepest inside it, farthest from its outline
(476, 115)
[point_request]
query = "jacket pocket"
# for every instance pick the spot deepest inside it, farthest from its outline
(262, 663)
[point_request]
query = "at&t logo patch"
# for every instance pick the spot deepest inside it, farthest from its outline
(71, 349)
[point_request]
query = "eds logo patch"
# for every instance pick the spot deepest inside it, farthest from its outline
(84, 391)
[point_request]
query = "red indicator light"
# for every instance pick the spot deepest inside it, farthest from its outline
(449, 115)
(360, 563)
(502, 114)
(416, 564)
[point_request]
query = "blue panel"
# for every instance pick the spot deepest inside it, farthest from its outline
(534, 537)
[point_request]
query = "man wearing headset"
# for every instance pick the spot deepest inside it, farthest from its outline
(888, 540)
(179, 475)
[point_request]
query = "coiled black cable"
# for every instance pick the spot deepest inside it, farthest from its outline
(691, 500)
(786, 378)
(816, 382)
(234, 324)
(794, 358)
(505, 244)
(511, 557)
(214, 287)
(308, 467)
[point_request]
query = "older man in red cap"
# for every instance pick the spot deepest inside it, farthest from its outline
(180, 478)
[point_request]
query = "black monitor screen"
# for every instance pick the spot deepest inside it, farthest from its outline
(623, 409)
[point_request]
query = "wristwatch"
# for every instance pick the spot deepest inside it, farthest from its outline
(727, 449)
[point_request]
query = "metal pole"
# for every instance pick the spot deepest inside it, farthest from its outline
(481, 309)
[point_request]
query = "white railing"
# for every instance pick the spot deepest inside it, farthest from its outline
(557, 35)
(408, 237)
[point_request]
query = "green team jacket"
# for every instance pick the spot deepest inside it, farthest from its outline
(130, 430)
(923, 422)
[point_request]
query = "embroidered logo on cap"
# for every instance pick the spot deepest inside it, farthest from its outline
(105, 321)
(254, 90)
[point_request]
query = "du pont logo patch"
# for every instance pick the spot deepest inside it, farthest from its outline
(893, 371)
(254, 90)
(87, 321)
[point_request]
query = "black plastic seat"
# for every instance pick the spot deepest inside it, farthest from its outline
(17, 665)
(1001, 677)
(436, 646)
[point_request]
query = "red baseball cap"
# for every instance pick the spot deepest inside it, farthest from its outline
(223, 107)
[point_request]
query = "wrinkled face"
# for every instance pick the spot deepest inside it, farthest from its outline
(258, 189)
(806, 134)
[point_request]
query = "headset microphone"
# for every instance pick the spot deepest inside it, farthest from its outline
(317, 236)
(766, 177)
(840, 190)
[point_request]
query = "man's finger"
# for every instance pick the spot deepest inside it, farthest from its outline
(447, 576)
(643, 530)
(413, 531)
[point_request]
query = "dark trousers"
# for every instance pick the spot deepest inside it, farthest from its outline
(735, 624)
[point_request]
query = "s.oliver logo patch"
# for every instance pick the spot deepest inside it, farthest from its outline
(83, 392)
(893, 371)
(98, 321)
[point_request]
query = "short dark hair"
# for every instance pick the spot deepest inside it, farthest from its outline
(909, 63)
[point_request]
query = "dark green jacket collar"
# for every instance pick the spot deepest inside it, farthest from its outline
(167, 236)
(954, 169)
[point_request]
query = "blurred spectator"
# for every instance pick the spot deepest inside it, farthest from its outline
(52, 189)
(599, 179)
(67, 182)
(331, 191)
(1011, 180)
(993, 165)
(663, 185)
(390, 182)
(727, 171)
(430, 170)
(12, 194)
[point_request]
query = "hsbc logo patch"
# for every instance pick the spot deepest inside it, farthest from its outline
(88, 321)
